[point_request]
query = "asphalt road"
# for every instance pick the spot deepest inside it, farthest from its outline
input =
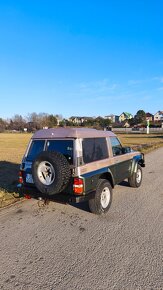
(66, 247)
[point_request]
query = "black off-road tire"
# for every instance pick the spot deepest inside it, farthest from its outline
(134, 181)
(61, 168)
(95, 204)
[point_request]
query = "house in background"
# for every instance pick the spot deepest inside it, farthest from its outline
(79, 120)
(125, 116)
(75, 120)
(112, 118)
(126, 124)
(149, 116)
(158, 116)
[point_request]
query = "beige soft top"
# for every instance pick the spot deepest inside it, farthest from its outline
(71, 133)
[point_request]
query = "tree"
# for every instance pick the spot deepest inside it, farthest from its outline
(17, 123)
(132, 122)
(41, 120)
(140, 117)
(102, 123)
(32, 117)
(105, 123)
(89, 123)
(59, 117)
(65, 123)
(3, 125)
(51, 121)
(37, 121)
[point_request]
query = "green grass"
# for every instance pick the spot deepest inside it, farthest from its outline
(13, 146)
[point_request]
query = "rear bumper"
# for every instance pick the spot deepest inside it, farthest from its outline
(33, 192)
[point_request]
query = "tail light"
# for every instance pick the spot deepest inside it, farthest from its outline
(27, 196)
(78, 186)
(20, 177)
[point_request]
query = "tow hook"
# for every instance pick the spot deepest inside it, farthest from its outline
(42, 202)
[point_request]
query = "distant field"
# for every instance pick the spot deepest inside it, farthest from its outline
(12, 148)
(144, 143)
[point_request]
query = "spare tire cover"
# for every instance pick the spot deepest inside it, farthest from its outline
(51, 172)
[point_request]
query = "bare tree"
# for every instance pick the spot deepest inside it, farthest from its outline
(17, 123)
(3, 125)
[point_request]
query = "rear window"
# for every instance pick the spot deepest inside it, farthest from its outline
(94, 149)
(63, 146)
(36, 147)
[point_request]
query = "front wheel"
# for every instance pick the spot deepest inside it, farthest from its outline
(101, 203)
(136, 179)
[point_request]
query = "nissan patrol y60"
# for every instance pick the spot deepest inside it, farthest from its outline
(79, 164)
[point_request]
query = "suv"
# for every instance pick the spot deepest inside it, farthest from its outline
(79, 164)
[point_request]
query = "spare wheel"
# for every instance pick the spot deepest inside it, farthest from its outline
(51, 172)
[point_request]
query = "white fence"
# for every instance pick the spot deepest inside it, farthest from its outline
(137, 130)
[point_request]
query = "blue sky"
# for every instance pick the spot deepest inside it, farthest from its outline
(86, 58)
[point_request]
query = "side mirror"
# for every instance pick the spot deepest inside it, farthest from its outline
(126, 150)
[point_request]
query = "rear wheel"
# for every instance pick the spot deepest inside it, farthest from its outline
(136, 179)
(101, 203)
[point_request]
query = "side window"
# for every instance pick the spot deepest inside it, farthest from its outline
(116, 146)
(94, 149)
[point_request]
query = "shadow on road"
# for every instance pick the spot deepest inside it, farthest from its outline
(8, 176)
(124, 183)
(82, 206)
(61, 199)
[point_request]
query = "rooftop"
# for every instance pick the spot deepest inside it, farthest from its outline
(71, 133)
